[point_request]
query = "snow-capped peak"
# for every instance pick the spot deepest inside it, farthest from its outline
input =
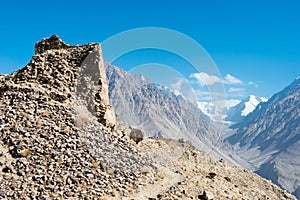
(251, 104)
(244, 108)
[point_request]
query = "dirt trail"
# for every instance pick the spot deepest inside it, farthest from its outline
(169, 179)
(164, 158)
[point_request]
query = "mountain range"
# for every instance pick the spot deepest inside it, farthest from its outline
(60, 139)
(269, 138)
(161, 113)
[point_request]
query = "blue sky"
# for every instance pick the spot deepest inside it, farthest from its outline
(256, 42)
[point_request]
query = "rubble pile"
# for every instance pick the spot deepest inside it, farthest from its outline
(60, 139)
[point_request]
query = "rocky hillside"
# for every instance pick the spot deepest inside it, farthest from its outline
(269, 138)
(186, 173)
(59, 140)
(56, 129)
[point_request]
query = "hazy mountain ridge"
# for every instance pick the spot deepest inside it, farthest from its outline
(132, 94)
(269, 138)
(161, 113)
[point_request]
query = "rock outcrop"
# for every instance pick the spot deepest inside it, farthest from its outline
(56, 132)
(63, 69)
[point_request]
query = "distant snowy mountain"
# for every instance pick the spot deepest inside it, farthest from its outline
(269, 138)
(209, 108)
(238, 112)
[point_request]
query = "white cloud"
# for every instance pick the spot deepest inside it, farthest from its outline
(231, 80)
(233, 90)
(205, 79)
